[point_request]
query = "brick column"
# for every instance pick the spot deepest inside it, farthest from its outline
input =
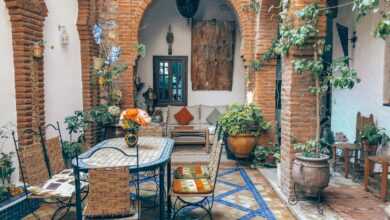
(27, 19)
(298, 105)
(86, 19)
(265, 79)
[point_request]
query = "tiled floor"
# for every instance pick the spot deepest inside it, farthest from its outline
(344, 200)
(241, 193)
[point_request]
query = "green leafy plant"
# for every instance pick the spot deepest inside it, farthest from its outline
(4, 194)
(75, 126)
(382, 29)
(373, 135)
(6, 167)
(101, 116)
(311, 148)
(141, 49)
(266, 156)
(243, 120)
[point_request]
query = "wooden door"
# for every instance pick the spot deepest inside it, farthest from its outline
(212, 55)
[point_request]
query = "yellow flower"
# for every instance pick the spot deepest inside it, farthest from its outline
(102, 81)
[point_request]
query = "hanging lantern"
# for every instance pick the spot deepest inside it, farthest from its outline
(187, 8)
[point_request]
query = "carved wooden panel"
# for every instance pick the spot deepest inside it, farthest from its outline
(212, 55)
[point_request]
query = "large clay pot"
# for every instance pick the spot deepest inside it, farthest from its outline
(311, 174)
(241, 145)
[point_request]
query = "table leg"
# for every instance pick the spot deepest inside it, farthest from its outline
(334, 158)
(169, 184)
(385, 172)
(76, 172)
(162, 191)
(346, 162)
(367, 172)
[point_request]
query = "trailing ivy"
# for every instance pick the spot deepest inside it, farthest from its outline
(382, 29)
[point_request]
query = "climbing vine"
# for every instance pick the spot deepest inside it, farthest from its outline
(306, 35)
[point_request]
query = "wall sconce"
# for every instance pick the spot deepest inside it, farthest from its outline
(64, 36)
(354, 39)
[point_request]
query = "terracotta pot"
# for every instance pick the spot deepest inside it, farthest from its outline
(241, 145)
(312, 174)
(37, 50)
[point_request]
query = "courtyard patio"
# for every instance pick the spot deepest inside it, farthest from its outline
(195, 109)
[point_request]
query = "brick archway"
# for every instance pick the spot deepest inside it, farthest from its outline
(27, 21)
(257, 31)
(131, 13)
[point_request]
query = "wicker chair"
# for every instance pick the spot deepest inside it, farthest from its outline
(36, 173)
(109, 192)
(198, 192)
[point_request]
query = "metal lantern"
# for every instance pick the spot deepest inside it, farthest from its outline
(187, 8)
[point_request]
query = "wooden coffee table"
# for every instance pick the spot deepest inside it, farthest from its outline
(191, 137)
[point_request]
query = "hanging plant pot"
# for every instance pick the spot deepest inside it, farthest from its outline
(98, 63)
(37, 50)
(187, 8)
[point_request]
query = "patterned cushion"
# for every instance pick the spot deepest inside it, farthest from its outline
(184, 117)
(192, 172)
(192, 186)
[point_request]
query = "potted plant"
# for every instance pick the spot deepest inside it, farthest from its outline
(75, 125)
(37, 49)
(6, 168)
(243, 124)
(265, 156)
(371, 137)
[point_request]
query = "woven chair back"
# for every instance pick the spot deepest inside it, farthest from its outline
(32, 163)
(54, 152)
(215, 162)
(362, 122)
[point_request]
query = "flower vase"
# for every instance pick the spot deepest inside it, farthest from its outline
(131, 138)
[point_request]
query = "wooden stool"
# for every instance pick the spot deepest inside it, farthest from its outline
(368, 175)
(347, 148)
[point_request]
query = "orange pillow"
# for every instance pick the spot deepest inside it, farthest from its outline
(184, 117)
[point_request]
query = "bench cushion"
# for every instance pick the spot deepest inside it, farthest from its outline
(192, 186)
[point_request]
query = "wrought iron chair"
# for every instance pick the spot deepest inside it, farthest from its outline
(196, 171)
(199, 192)
(109, 192)
(37, 172)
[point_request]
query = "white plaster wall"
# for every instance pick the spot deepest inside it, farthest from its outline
(368, 59)
(7, 80)
(153, 31)
(63, 85)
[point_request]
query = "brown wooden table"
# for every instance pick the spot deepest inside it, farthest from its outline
(191, 137)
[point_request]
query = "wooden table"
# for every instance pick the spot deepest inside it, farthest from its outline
(154, 153)
(191, 137)
(347, 148)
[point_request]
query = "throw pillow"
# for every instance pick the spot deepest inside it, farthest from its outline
(184, 117)
(213, 117)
